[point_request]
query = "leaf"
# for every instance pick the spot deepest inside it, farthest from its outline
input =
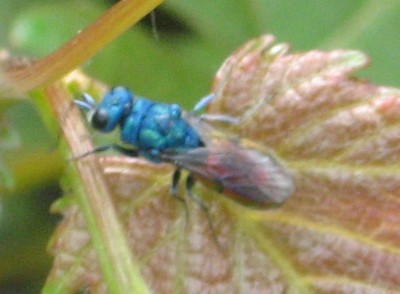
(338, 233)
(339, 137)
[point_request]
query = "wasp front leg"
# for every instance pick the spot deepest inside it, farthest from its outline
(118, 148)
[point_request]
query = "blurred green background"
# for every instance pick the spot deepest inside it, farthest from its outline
(174, 64)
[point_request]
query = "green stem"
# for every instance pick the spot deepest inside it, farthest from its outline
(84, 45)
(120, 273)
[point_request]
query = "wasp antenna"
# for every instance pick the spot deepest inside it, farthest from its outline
(83, 105)
(89, 99)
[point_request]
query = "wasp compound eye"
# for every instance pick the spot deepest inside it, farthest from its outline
(99, 119)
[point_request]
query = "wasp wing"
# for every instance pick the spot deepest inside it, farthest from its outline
(242, 171)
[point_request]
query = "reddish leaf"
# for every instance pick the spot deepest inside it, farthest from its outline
(339, 232)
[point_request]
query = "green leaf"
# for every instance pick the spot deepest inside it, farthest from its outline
(158, 69)
(34, 21)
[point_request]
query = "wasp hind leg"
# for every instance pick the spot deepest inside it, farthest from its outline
(174, 192)
(213, 117)
(222, 118)
(190, 181)
(203, 102)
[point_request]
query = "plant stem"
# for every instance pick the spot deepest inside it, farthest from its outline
(120, 273)
(81, 47)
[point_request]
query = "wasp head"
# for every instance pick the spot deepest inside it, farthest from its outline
(112, 109)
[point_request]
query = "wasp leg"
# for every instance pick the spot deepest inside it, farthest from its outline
(213, 117)
(174, 192)
(203, 102)
(220, 118)
(190, 181)
(120, 149)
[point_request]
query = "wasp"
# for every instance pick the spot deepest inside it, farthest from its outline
(240, 169)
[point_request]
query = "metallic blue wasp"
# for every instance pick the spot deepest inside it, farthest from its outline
(244, 171)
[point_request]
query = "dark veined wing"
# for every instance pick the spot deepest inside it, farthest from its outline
(242, 170)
